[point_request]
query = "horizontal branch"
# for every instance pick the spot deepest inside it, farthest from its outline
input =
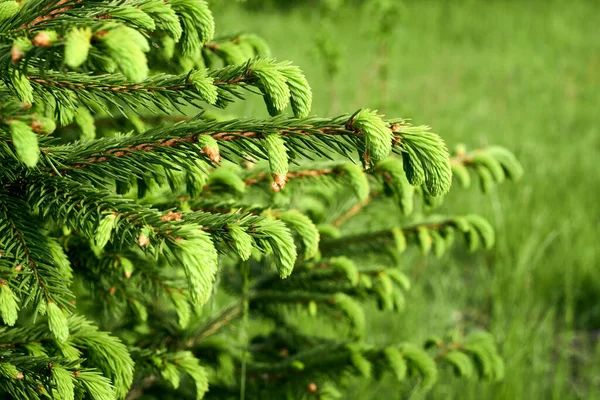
(188, 133)
(384, 234)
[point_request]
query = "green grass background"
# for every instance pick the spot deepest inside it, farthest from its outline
(522, 74)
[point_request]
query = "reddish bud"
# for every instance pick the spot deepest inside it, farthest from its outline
(279, 181)
(143, 240)
(42, 39)
(16, 54)
(171, 216)
(212, 153)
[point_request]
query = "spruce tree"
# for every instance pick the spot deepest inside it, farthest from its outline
(151, 248)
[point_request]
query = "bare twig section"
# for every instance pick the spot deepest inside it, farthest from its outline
(352, 212)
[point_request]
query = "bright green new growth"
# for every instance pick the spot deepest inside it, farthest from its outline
(205, 86)
(96, 385)
(426, 160)
(65, 387)
(399, 240)
(9, 308)
(378, 135)
(190, 365)
(351, 310)
(126, 47)
(397, 363)
(26, 142)
(273, 85)
(125, 202)
(395, 179)
(85, 120)
(171, 375)
(197, 23)
(8, 371)
(22, 87)
(77, 46)
(461, 362)
(280, 241)
(356, 179)
(164, 17)
(199, 259)
(8, 9)
(57, 322)
(306, 229)
(300, 92)
(135, 16)
(104, 232)
(277, 155)
(242, 241)
(421, 361)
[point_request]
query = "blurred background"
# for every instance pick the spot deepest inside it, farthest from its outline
(521, 74)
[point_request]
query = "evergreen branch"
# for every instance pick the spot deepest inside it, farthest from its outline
(50, 11)
(385, 234)
(280, 84)
(361, 358)
(303, 138)
(34, 13)
(213, 325)
(307, 173)
(126, 278)
(332, 302)
(435, 234)
(102, 351)
(102, 215)
(161, 92)
(70, 203)
(238, 49)
(105, 351)
(352, 212)
(234, 311)
(328, 354)
(20, 232)
(181, 144)
(492, 164)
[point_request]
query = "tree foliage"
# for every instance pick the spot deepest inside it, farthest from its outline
(148, 247)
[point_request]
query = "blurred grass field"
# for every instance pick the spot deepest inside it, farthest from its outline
(524, 75)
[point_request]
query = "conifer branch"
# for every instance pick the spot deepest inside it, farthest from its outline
(352, 212)
(475, 229)
(216, 323)
(50, 11)
(305, 137)
(27, 245)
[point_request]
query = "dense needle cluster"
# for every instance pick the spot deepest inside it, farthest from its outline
(150, 247)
